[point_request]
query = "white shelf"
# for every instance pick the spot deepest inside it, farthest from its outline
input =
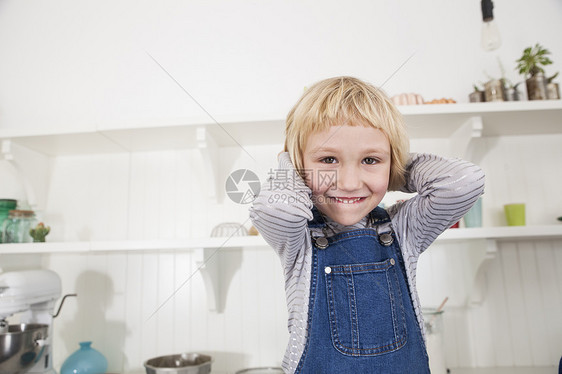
(503, 233)
(424, 121)
(451, 235)
(134, 245)
(498, 118)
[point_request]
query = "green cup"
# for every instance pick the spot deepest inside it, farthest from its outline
(515, 214)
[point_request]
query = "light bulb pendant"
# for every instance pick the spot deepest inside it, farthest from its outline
(490, 36)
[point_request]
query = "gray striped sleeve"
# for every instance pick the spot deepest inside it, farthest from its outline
(446, 189)
(281, 213)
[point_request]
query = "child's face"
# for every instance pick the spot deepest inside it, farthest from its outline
(347, 168)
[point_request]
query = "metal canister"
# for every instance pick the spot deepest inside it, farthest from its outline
(494, 90)
(552, 91)
(536, 87)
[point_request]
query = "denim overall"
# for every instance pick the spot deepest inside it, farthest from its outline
(361, 318)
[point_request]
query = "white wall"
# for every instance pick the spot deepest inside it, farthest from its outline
(74, 64)
(81, 63)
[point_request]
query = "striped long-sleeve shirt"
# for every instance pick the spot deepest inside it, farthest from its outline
(446, 189)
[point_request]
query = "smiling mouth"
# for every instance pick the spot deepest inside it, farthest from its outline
(348, 200)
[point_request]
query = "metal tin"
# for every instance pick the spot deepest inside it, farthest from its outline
(552, 91)
(536, 87)
(494, 90)
(476, 97)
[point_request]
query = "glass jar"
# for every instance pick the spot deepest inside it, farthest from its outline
(16, 227)
(433, 322)
(5, 206)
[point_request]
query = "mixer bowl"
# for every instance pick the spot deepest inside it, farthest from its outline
(19, 349)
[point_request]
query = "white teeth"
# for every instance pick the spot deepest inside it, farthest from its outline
(347, 201)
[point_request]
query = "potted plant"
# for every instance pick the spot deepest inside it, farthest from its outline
(477, 95)
(530, 65)
(511, 91)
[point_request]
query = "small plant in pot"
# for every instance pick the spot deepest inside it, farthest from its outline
(511, 91)
(530, 65)
(477, 95)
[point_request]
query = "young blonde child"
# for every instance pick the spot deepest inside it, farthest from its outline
(349, 265)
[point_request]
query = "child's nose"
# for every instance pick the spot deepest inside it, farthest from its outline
(349, 179)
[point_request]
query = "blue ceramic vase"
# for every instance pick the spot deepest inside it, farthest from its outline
(86, 360)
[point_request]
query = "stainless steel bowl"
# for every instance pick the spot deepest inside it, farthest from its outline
(185, 363)
(19, 347)
(264, 370)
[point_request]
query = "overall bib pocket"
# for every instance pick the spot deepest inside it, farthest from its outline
(365, 308)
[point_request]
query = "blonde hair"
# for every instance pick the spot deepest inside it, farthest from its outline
(350, 101)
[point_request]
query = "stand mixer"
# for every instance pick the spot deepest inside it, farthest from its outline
(27, 347)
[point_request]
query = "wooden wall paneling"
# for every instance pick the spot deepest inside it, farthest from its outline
(252, 308)
(134, 315)
(517, 317)
(136, 198)
(69, 202)
(182, 195)
(199, 316)
(118, 200)
(269, 345)
(164, 313)
(551, 296)
(167, 210)
(536, 319)
(182, 321)
(233, 318)
(497, 300)
(66, 327)
(152, 198)
(106, 181)
(481, 340)
(198, 196)
(115, 327)
(149, 304)
(450, 336)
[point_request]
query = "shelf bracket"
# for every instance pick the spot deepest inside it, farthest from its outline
(461, 140)
(482, 258)
(210, 153)
(217, 268)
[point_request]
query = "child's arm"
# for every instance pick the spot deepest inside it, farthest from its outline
(446, 188)
(281, 211)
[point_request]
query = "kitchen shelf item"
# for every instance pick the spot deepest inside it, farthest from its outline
(228, 229)
(185, 363)
(433, 322)
(20, 347)
(85, 360)
(261, 370)
(6, 205)
(15, 229)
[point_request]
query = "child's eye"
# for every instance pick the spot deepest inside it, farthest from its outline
(370, 160)
(329, 160)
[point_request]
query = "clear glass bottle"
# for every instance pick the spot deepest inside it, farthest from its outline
(16, 227)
